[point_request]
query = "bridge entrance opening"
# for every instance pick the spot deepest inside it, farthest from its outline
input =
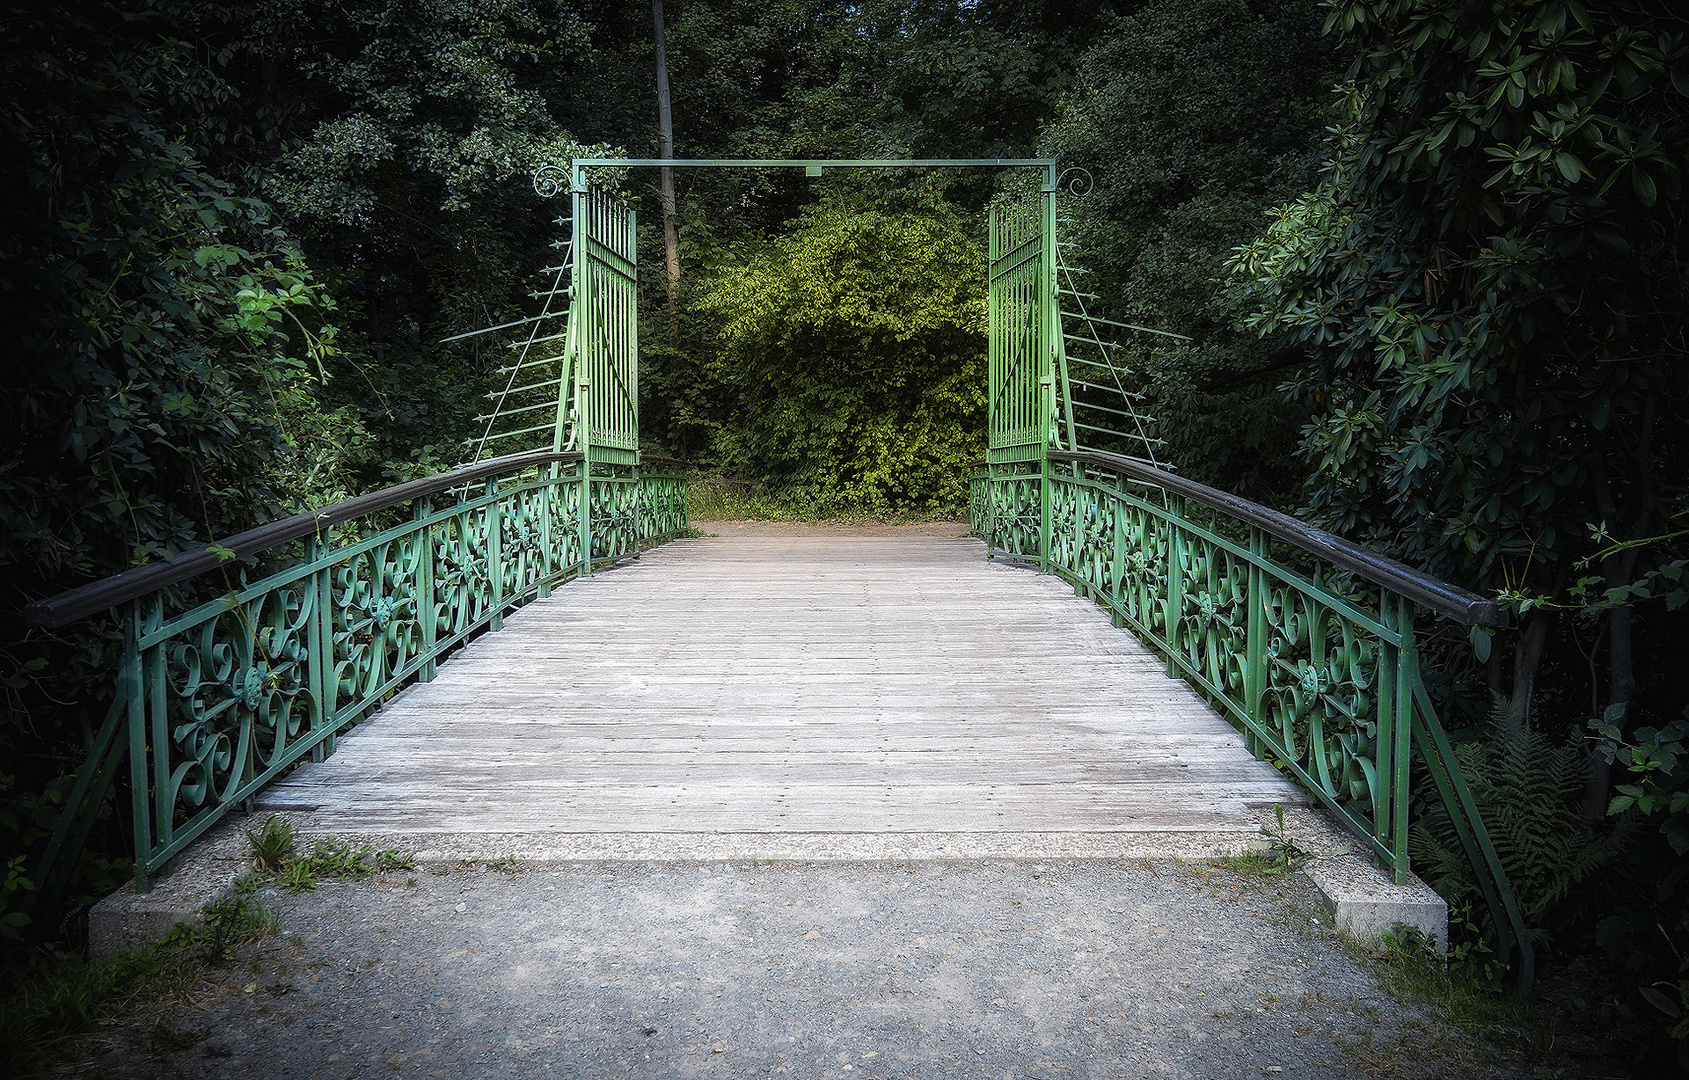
(1057, 374)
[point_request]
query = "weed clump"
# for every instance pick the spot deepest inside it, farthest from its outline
(272, 855)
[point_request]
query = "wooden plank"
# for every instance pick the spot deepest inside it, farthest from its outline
(796, 684)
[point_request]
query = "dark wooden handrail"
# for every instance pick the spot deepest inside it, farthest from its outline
(97, 596)
(1464, 607)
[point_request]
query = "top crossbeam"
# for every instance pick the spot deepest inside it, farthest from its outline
(813, 166)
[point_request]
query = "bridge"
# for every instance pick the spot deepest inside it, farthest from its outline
(784, 695)
(497, 676)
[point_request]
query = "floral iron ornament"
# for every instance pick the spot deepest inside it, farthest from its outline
(217, 700)
(1318, 670)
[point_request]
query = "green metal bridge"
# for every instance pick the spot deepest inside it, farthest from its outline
(246, 657)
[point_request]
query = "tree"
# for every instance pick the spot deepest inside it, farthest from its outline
(856, 350)
(168, 349)
(1491, 282)
(1193, 119)
(1491, 285)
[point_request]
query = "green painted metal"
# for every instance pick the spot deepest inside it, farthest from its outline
(215, 701)
(1313, 662)
(1021, 332)
(604, 328)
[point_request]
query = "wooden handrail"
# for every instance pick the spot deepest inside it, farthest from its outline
(97, 596)
(1464, 607)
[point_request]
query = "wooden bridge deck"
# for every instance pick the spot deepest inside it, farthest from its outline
(796, 684)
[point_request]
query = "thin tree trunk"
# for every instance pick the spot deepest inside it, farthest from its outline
(1621, 671)
(665, 143)
(1527, 662)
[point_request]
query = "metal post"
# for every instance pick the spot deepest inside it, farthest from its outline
(140, 805)
(156, 679)
(1389, 670)
(319, 643)
(495, 555)
(1044, 508)
(425, 602)
(1175, 581)
(1255, 669)
(1406, 679)
(583, 395)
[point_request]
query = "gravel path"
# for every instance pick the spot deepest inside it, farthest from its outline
(1094, 968)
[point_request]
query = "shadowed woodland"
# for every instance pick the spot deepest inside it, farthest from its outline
(1429, 258)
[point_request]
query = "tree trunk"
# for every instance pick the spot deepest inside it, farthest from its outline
(665, 143)
(1527, 661)
(1621, 670)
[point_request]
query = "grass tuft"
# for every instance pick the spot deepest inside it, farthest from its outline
(45, 1010)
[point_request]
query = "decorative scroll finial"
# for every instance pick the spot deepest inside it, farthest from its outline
(549, 180)
(1081, 183)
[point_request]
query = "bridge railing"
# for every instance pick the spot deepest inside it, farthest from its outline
(1303, 640)
(218, 696)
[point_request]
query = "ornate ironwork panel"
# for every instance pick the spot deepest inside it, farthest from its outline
(1316, 667)
(1023, 329)
(218, 700)
(604, 327)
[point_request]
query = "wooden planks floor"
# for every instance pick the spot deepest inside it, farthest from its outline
(793, 683)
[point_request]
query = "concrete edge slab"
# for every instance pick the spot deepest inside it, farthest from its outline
(128, 920)
(1362, 899)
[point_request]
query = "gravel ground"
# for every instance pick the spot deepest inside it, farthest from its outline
(1040, 969)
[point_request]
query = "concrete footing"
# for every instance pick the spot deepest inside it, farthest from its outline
(1363, 900)
(129, 919)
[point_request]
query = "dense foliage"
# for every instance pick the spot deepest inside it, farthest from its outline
(1194, 118)
(233, 235)
(1490, 285)
(887, 311)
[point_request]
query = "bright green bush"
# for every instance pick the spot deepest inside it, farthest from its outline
(856, 349)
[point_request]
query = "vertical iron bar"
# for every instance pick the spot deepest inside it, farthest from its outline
(495, 554)
(158, 703)
(1175, 581)
(1255, 673)
(585, 391)
(319, 643)
(1406, 679)
(1044, 508)
(425, 602)
(1389, 659)
(1117, 511)
(140, 804)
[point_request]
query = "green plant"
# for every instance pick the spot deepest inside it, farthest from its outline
(1488, 1028)
(1671, 1000)
(271, 845)
(389, 860)
(857, 389)
(44, 1009)
(1528, 791)
(1283, 848)
(336, 859)
(298, 876)
(1281, 855)
(231, 921)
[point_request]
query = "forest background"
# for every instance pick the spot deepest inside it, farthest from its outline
(1430, 256)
